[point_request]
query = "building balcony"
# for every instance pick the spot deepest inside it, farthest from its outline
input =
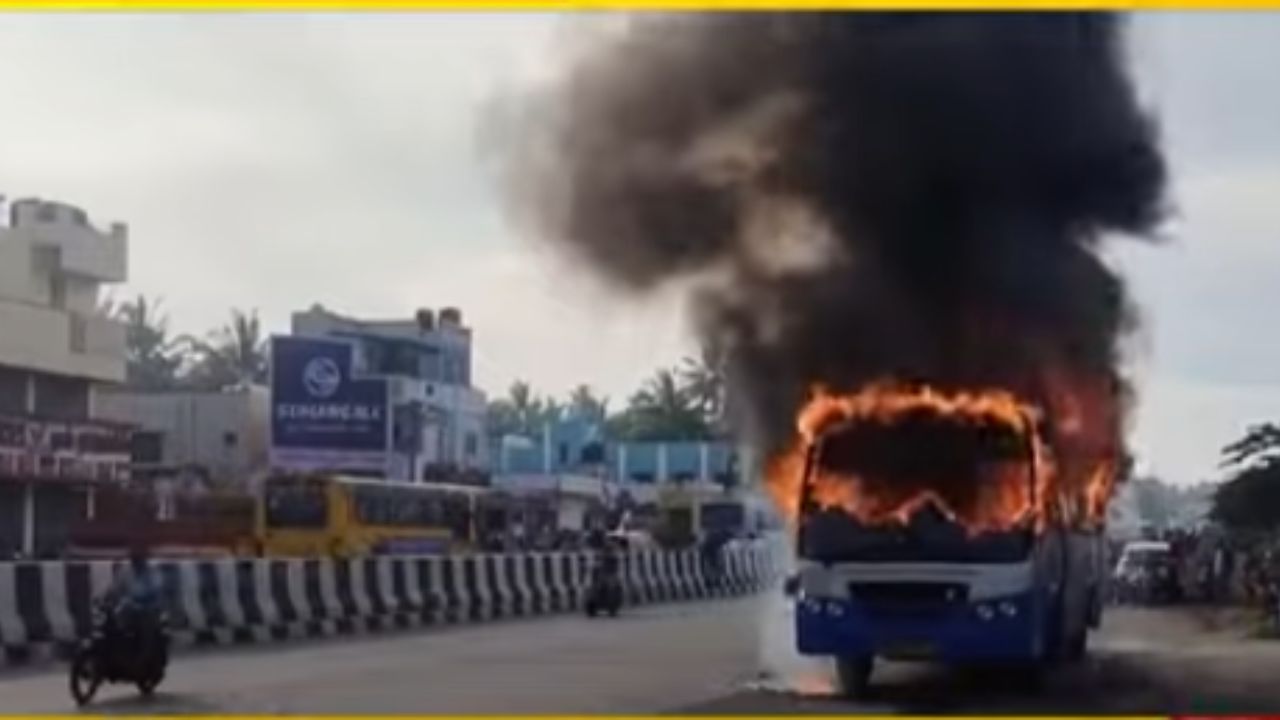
(62, 342)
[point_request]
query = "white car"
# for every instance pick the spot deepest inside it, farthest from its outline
(1144, 571)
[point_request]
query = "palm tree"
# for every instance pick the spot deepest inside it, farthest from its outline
(662, 394)
(526, 405)
(152, 358)
(703, 381)
(549, 410)
(234, 354)
(663, 410)
(584, 403)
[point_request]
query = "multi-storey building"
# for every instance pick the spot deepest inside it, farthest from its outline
(391, 398)
(56, 349)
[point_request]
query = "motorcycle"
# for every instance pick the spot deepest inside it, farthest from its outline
(110, 655)
(604, 594)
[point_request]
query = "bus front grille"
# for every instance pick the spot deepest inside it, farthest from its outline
(909, 596)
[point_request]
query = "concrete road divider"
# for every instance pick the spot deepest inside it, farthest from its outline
(46, 606)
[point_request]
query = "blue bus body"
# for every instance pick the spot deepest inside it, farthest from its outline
(1033, 610)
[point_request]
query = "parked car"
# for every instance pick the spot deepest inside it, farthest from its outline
(1145, 573)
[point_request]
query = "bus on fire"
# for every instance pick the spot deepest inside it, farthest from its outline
(922, 535)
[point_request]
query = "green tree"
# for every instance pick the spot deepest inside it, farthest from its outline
(661, 410)
(1261, 441)
(583, 402)
(1250, 497)
(522, 411)
(152, 358)
(549, 411)
(234, 354)
(501, 418)
(702, 380)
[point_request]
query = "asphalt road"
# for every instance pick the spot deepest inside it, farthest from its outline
(692, 658)
(1144, 661)
(647, 660)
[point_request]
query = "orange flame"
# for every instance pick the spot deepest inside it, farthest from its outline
(1002, 493)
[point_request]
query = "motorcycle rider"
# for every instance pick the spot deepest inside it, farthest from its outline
(133, 601)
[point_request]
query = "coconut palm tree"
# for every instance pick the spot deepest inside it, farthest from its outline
(583, 402)
(703, 381)
(234, 354)
(152, 358)
(662, 410)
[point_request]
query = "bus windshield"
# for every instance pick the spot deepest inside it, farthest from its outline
(963, 465)
(835, 536)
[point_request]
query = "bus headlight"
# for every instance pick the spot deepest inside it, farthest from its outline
(835, 609)
(1007, 609)
(984, 611)
(813, 606)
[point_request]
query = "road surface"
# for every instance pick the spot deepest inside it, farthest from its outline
(648, 659)
(688, 658)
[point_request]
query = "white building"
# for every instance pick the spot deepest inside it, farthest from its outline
(56, 348)
(219, 435)
(439, 425)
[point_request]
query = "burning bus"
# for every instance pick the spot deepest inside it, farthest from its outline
(932, 527)
(907, 210)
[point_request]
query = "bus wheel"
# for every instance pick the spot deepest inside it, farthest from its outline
(854, 676)
(1078, 646)
(1028, 677)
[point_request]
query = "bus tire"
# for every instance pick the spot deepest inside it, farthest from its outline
(1054, 635)
(853, 675)
(1095, 608)
(1078, 646)
(1029, 677)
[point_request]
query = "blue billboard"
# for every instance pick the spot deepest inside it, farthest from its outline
(324, 416)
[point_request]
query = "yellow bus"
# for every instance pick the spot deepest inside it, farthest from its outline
(344, 516)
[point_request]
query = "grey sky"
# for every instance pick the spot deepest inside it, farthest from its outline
(275, 161)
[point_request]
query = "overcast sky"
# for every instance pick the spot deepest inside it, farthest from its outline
(278, 161)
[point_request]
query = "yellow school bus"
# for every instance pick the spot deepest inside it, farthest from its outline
(343, 516)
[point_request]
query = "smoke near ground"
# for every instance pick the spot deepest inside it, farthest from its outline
(857, 196)
(782, 667)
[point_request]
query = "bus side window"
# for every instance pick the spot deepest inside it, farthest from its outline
(433, 513)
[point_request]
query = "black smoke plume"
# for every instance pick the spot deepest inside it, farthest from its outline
(852, 197)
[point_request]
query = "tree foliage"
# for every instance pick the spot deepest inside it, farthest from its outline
(522, 412)
(1250, 497)
(662, 409)
(152, 359)
(234, 354)
(682, 403)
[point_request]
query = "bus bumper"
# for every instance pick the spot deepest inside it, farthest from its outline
(1007, 628)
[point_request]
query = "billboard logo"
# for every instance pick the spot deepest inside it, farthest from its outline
(321, 377)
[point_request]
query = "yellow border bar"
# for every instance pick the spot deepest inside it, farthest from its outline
(601, 5)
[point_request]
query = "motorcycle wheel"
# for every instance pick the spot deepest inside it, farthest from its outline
(85, 677)
(154, 674)
(147, 686)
